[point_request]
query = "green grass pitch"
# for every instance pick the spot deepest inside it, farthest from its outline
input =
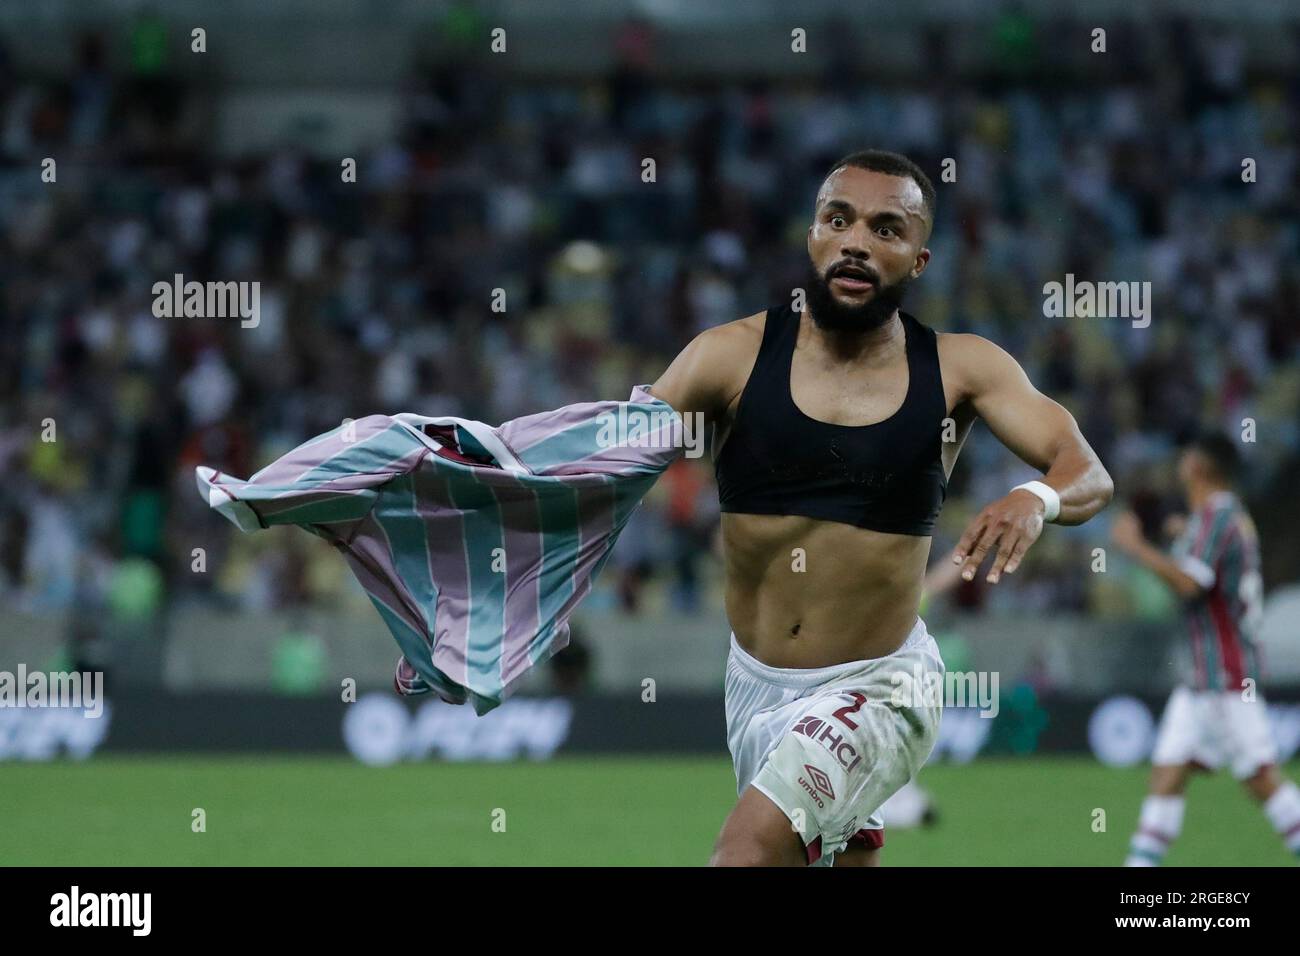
(568, 812)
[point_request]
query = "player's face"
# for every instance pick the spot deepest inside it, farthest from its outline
(866, 244)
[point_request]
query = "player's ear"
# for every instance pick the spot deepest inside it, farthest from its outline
(922, 260)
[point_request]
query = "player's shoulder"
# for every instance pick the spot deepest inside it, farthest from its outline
(1224, 524)
(1222, 502)
(971, 360)
(735, 334)
(967, 345)
(731, 344)
(713, 367)
(1227, 508)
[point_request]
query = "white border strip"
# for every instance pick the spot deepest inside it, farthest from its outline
(484, 434)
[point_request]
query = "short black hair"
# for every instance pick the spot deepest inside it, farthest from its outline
(891, 164)
(1221, 452)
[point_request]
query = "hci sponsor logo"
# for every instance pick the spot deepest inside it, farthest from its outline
(824, 733)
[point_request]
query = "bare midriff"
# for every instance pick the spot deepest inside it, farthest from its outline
(804, 593)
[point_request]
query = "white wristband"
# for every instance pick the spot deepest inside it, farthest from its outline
(1051, 500)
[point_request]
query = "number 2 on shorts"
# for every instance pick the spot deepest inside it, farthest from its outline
(842, 714)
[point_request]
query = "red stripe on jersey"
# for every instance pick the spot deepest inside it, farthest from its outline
(1198, 652)
(1206, 517)
(1229, 640)
(1230, 533)
(1207, 525)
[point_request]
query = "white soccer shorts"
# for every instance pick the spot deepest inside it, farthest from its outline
(1214, 728)
(829, 745)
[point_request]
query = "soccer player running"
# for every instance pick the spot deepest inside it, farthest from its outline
(837, 423)
(1217, 716)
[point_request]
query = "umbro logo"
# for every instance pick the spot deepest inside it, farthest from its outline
(821, 782)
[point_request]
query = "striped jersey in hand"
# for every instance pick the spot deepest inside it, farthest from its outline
(474, 543)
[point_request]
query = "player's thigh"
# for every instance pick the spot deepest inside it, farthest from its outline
(1181, 735)
(758, 833)
(1247, 738)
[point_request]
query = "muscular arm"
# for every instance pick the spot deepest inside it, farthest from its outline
(702, 379)
(1041, 433)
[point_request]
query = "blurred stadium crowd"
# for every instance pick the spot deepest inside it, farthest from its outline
(377, 296)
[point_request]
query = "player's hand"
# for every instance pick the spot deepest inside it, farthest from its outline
(1126, 532)
(1009, 525)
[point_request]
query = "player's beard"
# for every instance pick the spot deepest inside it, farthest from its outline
(834, 316)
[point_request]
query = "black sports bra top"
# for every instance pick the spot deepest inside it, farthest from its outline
(887, 476)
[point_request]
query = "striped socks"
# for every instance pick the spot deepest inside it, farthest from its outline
(1161, 820)
(1159, 824)
(1283, 811)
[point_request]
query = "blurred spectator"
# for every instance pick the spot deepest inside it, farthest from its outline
(379, 296)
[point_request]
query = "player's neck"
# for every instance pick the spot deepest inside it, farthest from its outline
(1202, 491)
(852, 345)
